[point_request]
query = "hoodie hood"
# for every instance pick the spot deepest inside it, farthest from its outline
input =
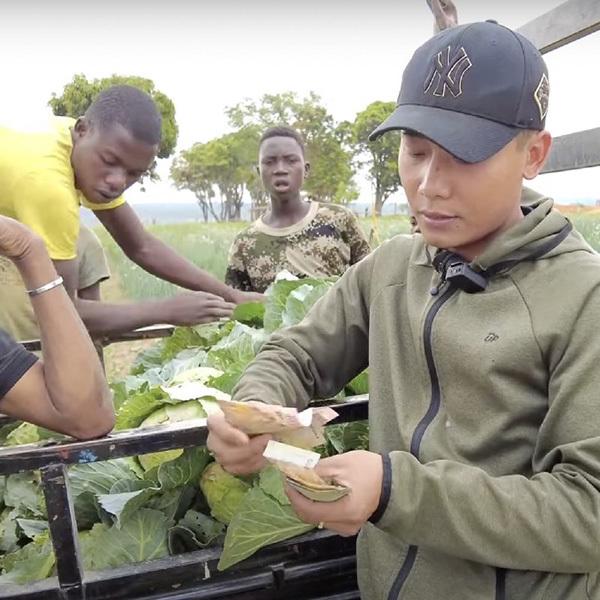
(540, 226)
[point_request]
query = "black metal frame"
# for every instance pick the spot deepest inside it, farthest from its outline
(144, 333)
(282, 569)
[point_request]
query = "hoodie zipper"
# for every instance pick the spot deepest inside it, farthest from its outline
(419, 432)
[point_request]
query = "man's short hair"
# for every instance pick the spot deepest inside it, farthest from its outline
(129, 107)
(282, 131)
(523, 137)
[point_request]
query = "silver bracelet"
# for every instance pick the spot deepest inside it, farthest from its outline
(46, 287)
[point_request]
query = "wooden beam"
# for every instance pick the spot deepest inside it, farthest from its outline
(564, 24)
(574, 151)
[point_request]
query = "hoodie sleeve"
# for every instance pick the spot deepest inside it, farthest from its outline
(546, 522)
(317, 357)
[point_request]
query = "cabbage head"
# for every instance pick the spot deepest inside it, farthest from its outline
(223, 492)
(166, 415)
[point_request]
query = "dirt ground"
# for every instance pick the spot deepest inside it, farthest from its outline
(119, 357)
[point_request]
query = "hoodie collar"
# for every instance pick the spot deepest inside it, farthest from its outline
(540, 223)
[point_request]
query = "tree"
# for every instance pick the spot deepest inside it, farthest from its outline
(381, 156)
(77, 96)
(189, 172)
(331, 177)
(225, 165)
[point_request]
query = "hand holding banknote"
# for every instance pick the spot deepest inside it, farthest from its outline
(239, 434)
(361, 472)
(234, 450)
(339, 493)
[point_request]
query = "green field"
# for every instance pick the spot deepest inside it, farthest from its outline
(206, 245)
(589, 227)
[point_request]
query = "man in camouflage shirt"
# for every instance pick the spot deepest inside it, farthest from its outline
(308, 239)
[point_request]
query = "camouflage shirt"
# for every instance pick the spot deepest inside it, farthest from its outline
(324, 243)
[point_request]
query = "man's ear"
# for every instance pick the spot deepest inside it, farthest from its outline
(257, 167)
(82, 126)
(538, 150)
(306, 169)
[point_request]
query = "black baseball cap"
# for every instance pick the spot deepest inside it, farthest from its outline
(471, 89)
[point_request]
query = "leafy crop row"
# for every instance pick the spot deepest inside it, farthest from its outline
(144, 508)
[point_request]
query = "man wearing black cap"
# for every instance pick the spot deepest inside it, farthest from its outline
(483, 479)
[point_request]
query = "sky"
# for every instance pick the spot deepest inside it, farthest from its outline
(208, 55)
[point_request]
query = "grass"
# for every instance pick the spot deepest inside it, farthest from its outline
(589, 227)
(206, 245)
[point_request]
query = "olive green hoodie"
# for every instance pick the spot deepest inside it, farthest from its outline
(485, 407)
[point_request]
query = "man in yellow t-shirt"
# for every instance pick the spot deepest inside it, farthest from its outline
(46, 176)
(37, 183)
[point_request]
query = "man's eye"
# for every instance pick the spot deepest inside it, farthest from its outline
(108, 161)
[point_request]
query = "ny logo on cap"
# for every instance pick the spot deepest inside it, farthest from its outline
(447, 73)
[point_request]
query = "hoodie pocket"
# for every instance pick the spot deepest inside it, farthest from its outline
(379, 558)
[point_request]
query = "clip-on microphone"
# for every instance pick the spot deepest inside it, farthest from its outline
(459, 273)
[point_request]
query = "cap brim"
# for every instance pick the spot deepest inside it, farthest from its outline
(469, 138)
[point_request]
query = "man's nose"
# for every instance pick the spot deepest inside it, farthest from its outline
(281, 167)
(435, 182)
(116, 179)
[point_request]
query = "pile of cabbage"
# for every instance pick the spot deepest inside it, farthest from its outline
(147, 507)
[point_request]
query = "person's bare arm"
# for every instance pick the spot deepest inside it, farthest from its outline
(189, 308)
(157, 258)
(91, 292)
(103, 318)
(67, 391)
(445, 14)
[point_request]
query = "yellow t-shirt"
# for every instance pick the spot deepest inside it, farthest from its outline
(37, 185)
(16, 313)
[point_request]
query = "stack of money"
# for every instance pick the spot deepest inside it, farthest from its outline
(297, 465)
(294, 434)
(302, 429)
